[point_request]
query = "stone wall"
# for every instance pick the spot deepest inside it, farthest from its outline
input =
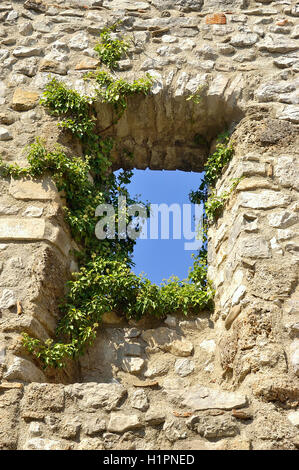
(229, 381)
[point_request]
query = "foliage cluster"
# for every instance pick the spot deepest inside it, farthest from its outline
(105, 281)
(214, 166)
(111, 49)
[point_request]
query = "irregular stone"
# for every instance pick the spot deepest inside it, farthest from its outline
(282, 219)
(69, 428)
(32, 211)
(3, 93)
(8, 299)
(132, 349)
(293, 417)
(154, 417)
(170, 321)
(133, 365)
(212, 427)
(284, 62)
(23, 51)
(254, 247)
(121, 422)
(35, 5)
(168, 340)
(94, 426)
(218, 86)
(35, 429)
(289, 113)
(5, 134)
(216, 18)
(4, 53)
(24, 99)
(24, 370)
(286, 171)
(27, 67)
(294, 350)
(79, 42)
(238, 294)
(91, 396)
(54, 66)
(244, 39)
(185, 5)
(38, 443)
(275, 43)
(43, 397)
(273, 91)
(199, 397)
(87, 63)
(267, 199)
(34, 229)
(29, 189)
(25, 29)
(184, 367)
(233, 314)
(174, 429)
(139, 400)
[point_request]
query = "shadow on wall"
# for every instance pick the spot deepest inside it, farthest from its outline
(167, 132)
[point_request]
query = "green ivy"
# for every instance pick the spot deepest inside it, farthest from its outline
(215, 203)
(213, 169)
(105, 281)
(111, 50)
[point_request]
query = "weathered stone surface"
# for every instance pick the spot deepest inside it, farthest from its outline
(91, 396)
(244, 39)
(33, 229)
(95, 426)
(217, 427)
(154, 417)
(289, 113)
(266, 199)
(184, 367)
(168, 340)
(203, 398)
(51, 65)
(139, 400)
(282, 219)
(275, 43)
(24, 99)
(5, 134)
(29, 189)
(38, 443)
(286, 171)
(8, 299)
(24, 370)
(43, 398)
(294, 349)
(133, 365)
(253, 247)
(293, 417)
(120, 422)
(174, 429)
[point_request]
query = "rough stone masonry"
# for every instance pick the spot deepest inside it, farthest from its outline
(230, 381)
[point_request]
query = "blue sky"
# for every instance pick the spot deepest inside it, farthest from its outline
(160, 259)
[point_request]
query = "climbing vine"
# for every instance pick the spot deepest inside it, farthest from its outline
(105, 281)
(111, 49)
(206, 193)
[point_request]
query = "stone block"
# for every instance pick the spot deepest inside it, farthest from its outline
(23, 100)
(121, 422)
(28, 189)
(24, 370)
